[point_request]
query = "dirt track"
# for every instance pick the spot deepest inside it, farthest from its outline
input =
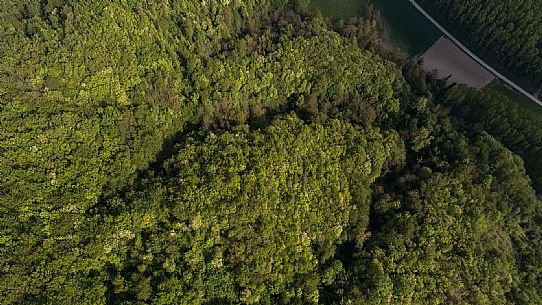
(447, 59)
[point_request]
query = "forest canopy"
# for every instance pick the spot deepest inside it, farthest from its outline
(246, 152)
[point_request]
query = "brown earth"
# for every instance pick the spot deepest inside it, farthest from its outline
(447, 59)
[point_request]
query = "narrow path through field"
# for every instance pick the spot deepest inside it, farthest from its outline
(473, 56)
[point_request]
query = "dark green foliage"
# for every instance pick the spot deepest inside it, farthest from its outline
(449, 237)
(459, 224)
(518, 127)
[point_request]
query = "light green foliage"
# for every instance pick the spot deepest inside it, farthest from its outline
(93, 92)
(241, 152)
(256, 216)
(87, 107)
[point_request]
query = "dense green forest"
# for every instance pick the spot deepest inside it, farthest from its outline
(518, 127)
(246, 152)
(510, 31)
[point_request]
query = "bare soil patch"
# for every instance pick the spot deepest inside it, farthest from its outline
(447, 59)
